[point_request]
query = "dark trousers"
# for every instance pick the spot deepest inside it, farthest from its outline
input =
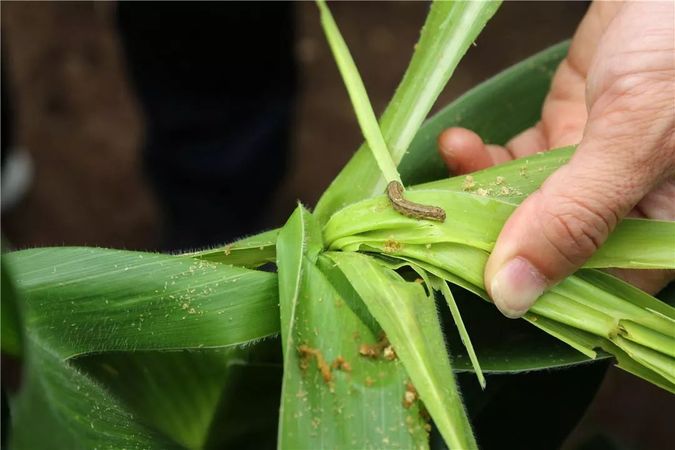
(216, 84)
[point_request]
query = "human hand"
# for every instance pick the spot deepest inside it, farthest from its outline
(614, 94)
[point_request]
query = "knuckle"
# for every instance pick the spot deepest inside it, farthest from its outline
(631, 84)
(575, 230)
(635, 116)
(651, 88)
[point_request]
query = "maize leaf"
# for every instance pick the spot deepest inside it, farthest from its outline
(332, 395)
(409, 318)
(449, 30)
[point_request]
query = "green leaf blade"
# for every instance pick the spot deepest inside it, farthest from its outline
(79, 411)
(448, 32)
(11, 326)
(409, 318)
(461, 328)
(496, 110)
(252, 251)
(476, 219)
(357, 94)
(177, 393)
(80, 300)
(327, 383)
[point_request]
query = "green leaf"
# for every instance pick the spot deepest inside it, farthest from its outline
(250, 252)
(298, 238)
(510, 182)
(212, 398)
(449, 30)
(582, 341)
(177, 393)
(442, 285)
(572, 310)
(649, 237)
(648, 337)
(475, 219)
(496, 109)
(652, 359)
(60, 407)
(612, 285)
(408, 316)
(600, 291)
(357, 94)
(80, 300)
(434, 283)
(327, 381)
(11, 325)
(31, 409)
(504, 345)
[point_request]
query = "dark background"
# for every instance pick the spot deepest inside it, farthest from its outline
(77, 115)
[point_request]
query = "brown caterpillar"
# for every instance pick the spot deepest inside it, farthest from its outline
(412, 209)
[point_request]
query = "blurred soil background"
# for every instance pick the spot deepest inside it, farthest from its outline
(78, 118)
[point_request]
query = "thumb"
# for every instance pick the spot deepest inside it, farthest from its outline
(561, 225)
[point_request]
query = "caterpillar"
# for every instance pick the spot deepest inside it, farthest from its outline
(412, 209)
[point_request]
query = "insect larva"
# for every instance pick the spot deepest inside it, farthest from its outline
(412, 209)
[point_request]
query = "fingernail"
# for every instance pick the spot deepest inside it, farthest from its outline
(516, 287)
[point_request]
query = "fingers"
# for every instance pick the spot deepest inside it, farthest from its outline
(617, 68)
(464, 151)
(628, 148)
(560, 226)
(650, 281)
(564, 114)
(528, 142)
(588, 34)
(563, 118)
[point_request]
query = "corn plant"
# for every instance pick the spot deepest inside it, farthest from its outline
(124, 349)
